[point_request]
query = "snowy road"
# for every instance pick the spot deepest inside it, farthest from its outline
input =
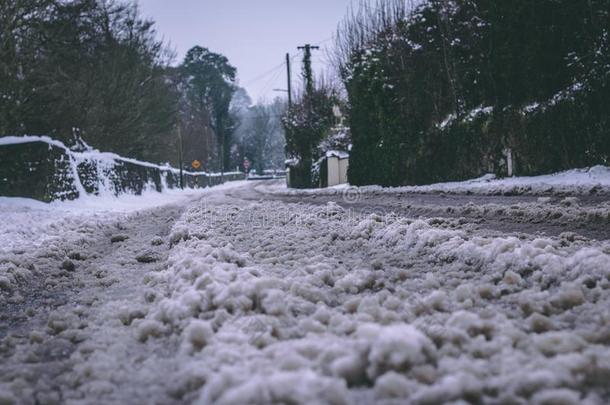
(242, 296)
(550, 215)
(72, 303)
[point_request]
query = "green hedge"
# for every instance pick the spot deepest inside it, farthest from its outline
(450, 59)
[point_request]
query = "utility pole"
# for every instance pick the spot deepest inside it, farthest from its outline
(289, 75)
(180, 159)
(307, 72)
(222, 155)
(289, 80)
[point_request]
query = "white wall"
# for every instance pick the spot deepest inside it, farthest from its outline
(343, 165)
(337, 171)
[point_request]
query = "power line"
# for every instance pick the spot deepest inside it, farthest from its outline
(324, 41)
(281, 65)
(263, 75)
(267, 88)
(276, 69)
(270, 82)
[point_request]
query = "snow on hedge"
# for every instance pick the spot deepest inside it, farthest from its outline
(577, 181)
(274, 303)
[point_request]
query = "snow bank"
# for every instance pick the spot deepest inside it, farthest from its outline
(25, 221)
(594, 180)
(31, 229)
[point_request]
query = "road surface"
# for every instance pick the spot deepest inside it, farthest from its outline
(530, 214)
(248, 296)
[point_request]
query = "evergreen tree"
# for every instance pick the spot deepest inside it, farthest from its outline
(87, 67)
(210, 84)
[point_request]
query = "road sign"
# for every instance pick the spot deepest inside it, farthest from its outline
(196, 164)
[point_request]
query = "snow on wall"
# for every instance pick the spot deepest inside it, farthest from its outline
(47, 170)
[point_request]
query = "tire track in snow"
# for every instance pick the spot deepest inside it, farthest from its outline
(78, 303)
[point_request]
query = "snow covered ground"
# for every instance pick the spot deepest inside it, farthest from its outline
(221, 300)
(26, 220)
(275, 303)
(594, 180)
(29, 227)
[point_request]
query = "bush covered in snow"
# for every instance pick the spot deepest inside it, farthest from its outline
(442, 91)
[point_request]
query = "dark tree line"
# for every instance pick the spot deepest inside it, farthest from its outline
(84, 67)
(94, 69)
(443, 90)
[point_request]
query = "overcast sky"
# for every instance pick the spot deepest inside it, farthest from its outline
(254, 34)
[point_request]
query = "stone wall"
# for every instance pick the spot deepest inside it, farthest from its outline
(48, 171)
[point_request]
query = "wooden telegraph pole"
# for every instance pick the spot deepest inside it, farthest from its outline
(289, 80)
(180, 158)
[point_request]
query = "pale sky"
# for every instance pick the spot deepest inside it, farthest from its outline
(254, 34)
